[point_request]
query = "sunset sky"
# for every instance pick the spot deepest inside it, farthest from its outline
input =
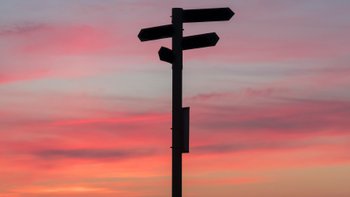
(85, 107)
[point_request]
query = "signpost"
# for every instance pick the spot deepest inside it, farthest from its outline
(180, 115)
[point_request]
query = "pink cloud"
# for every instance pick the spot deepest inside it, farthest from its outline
(282, 126)
(123, 120)
(57, 39)
(286, 114)
(65, 50)
(6, 78)
(244, 93)
(67, 40)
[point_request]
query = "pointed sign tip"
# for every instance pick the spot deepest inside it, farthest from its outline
(216, 38)
(231, 13)
(139, 36)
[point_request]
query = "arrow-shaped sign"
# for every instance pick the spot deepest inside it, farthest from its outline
(200, 41)
(206, 15)
(166, 55)
(155, 33)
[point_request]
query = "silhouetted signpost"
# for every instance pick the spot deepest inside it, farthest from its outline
(180, 115)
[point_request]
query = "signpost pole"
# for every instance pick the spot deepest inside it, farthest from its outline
(177, 102)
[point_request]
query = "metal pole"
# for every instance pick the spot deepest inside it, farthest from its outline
(177, 103)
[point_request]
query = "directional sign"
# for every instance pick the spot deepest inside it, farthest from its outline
(166, 55)
(155, 33)
(200, 41)
(206, 15)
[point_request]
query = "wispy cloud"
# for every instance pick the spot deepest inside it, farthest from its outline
(91, 154)
(244, 93)
(285, 116)
(255, 145)
(22, 29)
(6, 78)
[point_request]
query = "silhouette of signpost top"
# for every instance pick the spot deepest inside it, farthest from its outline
(174, 56)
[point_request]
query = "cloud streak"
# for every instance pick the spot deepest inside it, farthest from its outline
(95, 154)
(23, 29)
(288, 115)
